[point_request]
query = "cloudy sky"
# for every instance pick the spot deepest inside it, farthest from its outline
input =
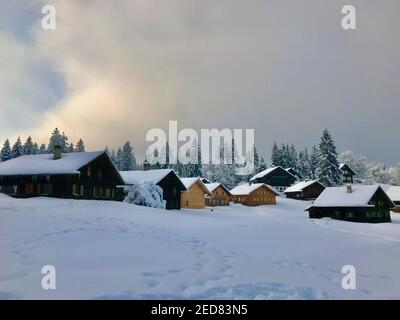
(112, 70)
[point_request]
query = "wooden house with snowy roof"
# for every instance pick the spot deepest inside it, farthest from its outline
(359, 203)
(167, 179)
(305, 190)
(219, 195)
(295, 173)
(276, 177)
(75, 175)
(347, 173)
(253, 194)
(195, 196)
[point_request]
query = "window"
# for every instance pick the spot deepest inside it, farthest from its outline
(75, 190)
(82, 191)
(89, 171)
(349, 215)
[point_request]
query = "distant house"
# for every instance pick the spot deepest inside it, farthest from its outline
(394, 194)
(305, 190)
(255, 194)
(347, 173)
(194, 197)
(167, 179)
(75, 175)
(359, 203)
(276, 177)
(219, 195)
(295, 173)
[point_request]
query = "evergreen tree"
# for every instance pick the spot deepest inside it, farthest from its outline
(80, 146)
(71, 148)
(313, 162)
(17, 149)
(328, 167)
(6, 151)
(42, 149)
(35, 148)
(292, 158)
(56, 139)
(28, 147)
(118, 159)
(304, 164)
(127, 158)
(276, 158)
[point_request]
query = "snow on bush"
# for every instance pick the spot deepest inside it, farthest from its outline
(146, 194)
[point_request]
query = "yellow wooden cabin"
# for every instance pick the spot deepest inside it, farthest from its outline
(195, 197)
(255, 194)
(219, 195)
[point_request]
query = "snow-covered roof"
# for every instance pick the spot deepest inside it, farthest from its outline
(139, 176)
(339, 197)
(212, 186)
(246, 189)
(189, 182)
(298, 187)
(268, 171)
(341, 165)
(42, 164)
(394, 193)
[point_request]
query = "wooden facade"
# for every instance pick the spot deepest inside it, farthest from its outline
(195, 196)
(172, 190)
(261, 195)
(347, 173)
(167, 179)
(305, 190)
(276, 177)
(295, 173)
(376, 210)
(98, 180)
(220, 195)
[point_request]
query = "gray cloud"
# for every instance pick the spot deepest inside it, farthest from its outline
(285, 68)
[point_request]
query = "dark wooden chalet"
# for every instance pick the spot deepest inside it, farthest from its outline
(167, 179)
(76, 175)
(305, 190)
(276, 177)
(295, 173)
(347, 173)
(353, 203)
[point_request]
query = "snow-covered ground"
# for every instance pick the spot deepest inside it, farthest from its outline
(111, 250)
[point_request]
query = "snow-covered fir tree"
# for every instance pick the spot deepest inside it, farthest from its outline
(304, 164)
(80, 146)
(6, 151)
(328, 171)
(42, 149)
(127, 161)
(28, 147)
(57, 139)
(71, 148)
(35, 148)
(313, 163)
(17, 149)
(276, 156)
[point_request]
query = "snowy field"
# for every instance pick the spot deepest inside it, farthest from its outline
(111, 250)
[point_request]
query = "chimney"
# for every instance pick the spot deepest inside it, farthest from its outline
(349, 189)
(57, 152)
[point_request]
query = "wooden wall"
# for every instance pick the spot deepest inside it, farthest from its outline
(194, 198)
